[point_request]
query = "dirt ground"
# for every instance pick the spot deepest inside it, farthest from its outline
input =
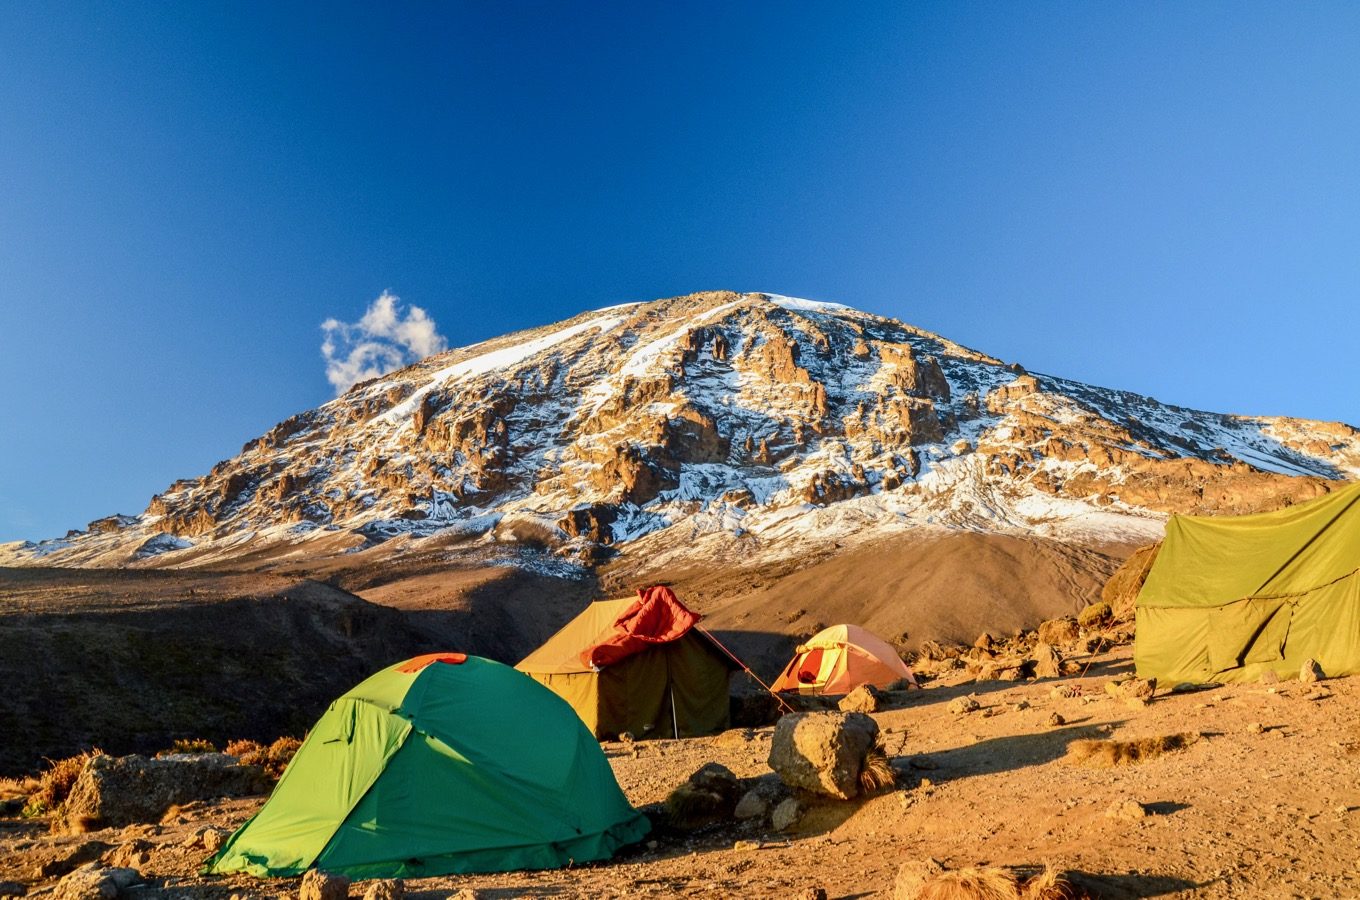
(1265, 804)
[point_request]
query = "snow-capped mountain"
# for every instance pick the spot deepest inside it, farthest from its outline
(741, 425)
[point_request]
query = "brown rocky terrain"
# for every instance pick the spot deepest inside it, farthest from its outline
(1264, 804)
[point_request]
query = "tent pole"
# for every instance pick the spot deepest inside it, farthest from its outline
(675, 721)
(745, 668)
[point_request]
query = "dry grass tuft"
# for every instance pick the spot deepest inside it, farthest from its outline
(189, 745)
(56, 783)
(990, 884)
(876, 774)
(1105, 754)
(273, 759)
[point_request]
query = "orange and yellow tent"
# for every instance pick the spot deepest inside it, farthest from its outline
(839, 659)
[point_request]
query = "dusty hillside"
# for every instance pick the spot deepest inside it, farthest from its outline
(1264, 805)
(129, 660)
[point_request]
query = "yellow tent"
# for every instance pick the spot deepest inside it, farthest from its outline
(674, 688)
(839, 659)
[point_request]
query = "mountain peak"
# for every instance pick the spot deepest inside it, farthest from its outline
(749, 423)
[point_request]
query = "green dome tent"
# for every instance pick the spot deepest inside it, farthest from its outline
(1231, 597)
(443, 764)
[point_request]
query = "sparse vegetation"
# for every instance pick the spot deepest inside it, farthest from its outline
(1104, 754)
(876, 774)
(273, 759)
(55, 783)
(190, 745)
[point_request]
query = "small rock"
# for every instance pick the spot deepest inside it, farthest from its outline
(905, 798)
(752, 805)
(1311, 671)
(652, 845)
(94, 882)
(1021, 706)
(1064, 692)
(1132, 688)
(1255, 728)
(743, 846)
(960, 705)
(914, 875)
(134, 853)
(1047, 661)
(708, 796)
(785, 815)
(318, 885)
(864, 699)
(627, 737)
(1126, 810)
(1059, 632)
(1056, 721)
(1094, 615)
(812, 893)
(984, 642)
(466, 893)
(386, 889)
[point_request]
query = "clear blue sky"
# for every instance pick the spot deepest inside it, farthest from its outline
(1163, 197)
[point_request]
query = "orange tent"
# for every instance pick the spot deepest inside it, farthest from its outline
(839, 659)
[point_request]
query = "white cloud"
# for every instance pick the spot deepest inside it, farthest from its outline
(388, 337)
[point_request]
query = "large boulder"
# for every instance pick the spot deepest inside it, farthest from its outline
(1059, 632)
(709, 795)
(127, 789)
(823, 752)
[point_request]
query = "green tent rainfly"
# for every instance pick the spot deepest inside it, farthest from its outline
(443, 764)
(1231, 597)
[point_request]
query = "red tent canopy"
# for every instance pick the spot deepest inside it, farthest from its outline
(656, 617)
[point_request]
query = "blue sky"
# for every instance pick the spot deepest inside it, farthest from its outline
(1161, 197)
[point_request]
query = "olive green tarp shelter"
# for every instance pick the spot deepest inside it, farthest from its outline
(1231, 597)
(682, 684)
(443, 764)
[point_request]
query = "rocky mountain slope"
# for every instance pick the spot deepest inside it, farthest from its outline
(723, 426)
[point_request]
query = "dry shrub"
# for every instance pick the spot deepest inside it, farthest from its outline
(273, 759)
(189, 745)
(876, 774)
(1104, 754)
(996, 884)
(56, 782)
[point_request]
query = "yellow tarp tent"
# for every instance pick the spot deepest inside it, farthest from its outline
(679, 685)
(1231, 597)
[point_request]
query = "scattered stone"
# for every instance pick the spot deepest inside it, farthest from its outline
(627, 737)
(1021, 706)
(1064, 691)
(1047, 661)
(466, 893)
(1094, 615)
(786, 814)
(914, 875)
(1311, 671)
(94, 882)
(812, 893)
(742, 846)
(134, 853)
(1135, 691)
(1056, 721)
(734, 737)
(1059, 632)
(960, 705)
(709, 795)
(864, 699)
(752, 805)
(127, 789)
(823, 752)
(69, 857)
(1126, 810)
(984, 642)
(386, 889)
(1255, 728)
(318, 885)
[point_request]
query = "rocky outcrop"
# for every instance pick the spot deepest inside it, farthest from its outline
(112, 791)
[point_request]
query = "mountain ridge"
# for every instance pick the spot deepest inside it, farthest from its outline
(748, 424)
